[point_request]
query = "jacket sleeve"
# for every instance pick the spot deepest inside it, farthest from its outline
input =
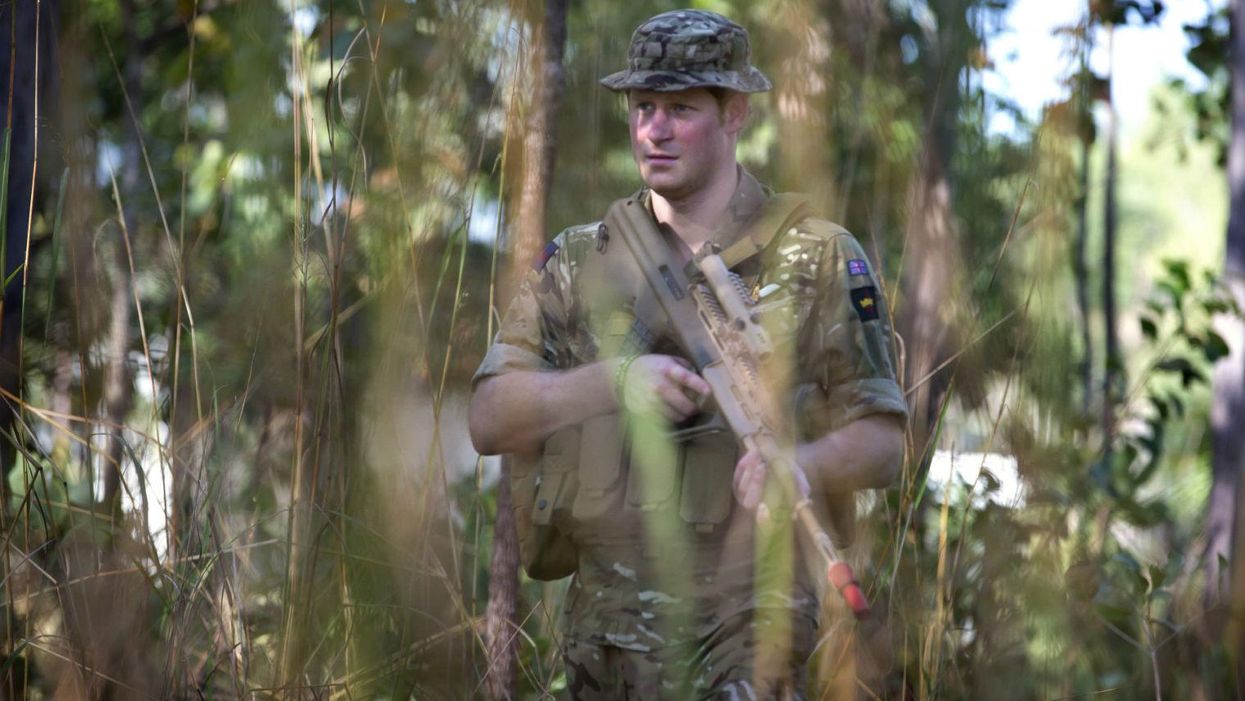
(533, 331)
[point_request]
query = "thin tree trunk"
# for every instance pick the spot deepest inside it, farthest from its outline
(1080, 268)
(295, 622)
(539, 151)
(27, 83)
(539, 138)
(118, 389)
(799, 92)
(27, 80)
(1112, 369)
(1228, 409)
(501, 625)
(929, 275)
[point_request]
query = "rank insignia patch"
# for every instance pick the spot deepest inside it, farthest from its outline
(865, 300)
(856, 266)
(538, 263)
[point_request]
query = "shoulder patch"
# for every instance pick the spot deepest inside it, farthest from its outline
(542, 258)
(865, 301)
(857, 266)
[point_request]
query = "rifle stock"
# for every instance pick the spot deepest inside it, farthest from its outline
(728, 348)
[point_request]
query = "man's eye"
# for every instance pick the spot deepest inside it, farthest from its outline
(681, 108)
(644, 106)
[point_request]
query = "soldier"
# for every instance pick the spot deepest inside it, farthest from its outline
(677, 592)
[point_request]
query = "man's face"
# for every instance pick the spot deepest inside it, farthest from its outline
(681, 140)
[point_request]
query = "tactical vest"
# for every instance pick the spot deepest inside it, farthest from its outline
(588, 487)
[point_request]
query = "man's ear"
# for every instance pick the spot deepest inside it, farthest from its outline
(735, 111)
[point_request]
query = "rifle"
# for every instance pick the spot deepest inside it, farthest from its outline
(727, 346)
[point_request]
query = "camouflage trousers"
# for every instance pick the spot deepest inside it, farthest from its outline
(754, 656)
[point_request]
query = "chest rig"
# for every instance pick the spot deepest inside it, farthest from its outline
(692, 473)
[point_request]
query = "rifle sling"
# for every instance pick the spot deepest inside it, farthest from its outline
(655, 258)
(657, 263)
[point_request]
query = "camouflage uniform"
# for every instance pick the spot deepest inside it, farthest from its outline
(678, 592)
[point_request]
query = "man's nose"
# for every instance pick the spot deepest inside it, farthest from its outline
(659, 126)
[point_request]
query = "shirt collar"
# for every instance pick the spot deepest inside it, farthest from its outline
(742, 210)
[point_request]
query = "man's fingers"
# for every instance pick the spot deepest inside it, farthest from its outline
(684, 376)
(749, 480)
(679, 402)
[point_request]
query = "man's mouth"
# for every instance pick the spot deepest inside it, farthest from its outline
(660, 158)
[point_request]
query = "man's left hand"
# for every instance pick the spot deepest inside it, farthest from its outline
(750, 475)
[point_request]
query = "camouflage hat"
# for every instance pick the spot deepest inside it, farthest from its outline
(688, 49)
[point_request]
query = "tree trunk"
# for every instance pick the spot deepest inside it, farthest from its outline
(1228, 409)
(933, 265)
(1080, 267)
(539, 151)
(799, 92)
(1112, 369)
(539, 142)
(27, 81)
(501, 624)
(930, 272)
(118, 387)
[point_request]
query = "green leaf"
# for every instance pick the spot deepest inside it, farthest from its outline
(992, 483)
(1177, 295)
(1183, 367)
(1216, 306)
(1173, 365)
(1158, 576)
(1144, 515)
(1115, 614)
(1161, 407)
(1215, 347)
(1178, 273)
(13, 274)
(1128, 455)
(1133, 577)
(13, 657)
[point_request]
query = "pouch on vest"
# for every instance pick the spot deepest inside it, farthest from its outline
(656, 463)
(707, 495)
(600, 464)
(541, 491)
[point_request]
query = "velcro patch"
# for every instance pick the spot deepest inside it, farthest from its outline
(857, 266)
(542, 258)
(865, 300)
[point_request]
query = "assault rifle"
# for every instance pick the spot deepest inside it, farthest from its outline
(728, 347)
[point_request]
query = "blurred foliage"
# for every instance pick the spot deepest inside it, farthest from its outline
(304, 208)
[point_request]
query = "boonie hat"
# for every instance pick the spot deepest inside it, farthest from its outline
(688, 49)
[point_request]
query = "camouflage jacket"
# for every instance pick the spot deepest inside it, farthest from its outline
(645, 579)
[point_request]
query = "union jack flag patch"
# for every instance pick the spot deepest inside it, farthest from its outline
(543, 257)
(856, 266)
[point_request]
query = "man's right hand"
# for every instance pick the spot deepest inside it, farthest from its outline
(662, 384)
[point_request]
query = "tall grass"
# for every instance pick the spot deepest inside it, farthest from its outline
(265, 229)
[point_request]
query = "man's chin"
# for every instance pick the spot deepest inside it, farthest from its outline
(665, 187)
